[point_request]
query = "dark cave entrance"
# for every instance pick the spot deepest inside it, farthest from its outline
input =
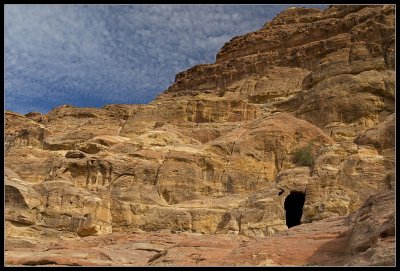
(294, 208)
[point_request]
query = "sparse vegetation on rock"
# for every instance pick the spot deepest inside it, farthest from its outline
(303, 156)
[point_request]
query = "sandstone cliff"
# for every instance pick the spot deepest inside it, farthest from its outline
(213, 159)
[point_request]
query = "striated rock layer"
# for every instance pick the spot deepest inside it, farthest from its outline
(209, 173)
(362, 239)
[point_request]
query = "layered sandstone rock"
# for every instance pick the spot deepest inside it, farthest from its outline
(211, 162)
(330, 54)
(366, 238)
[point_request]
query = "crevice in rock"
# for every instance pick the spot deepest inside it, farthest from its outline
(40, 262)
(156, 177)
(159, 167)
(156, 256)
(239, 222)
(228, 161)
(130, 114)
(119, 176)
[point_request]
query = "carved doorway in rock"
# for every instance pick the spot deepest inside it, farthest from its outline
(294, 208)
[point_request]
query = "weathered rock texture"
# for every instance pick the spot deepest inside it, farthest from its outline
(211, 162)
(362, 239)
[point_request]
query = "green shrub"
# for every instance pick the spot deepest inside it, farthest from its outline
(303, 156)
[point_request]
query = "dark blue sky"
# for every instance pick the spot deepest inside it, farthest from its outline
(92, 55)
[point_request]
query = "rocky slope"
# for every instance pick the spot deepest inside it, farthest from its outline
(207, 174)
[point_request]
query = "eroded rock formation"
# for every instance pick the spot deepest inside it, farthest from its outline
(212, 161)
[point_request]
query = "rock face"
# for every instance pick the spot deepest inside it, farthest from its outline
(362, 239)
(212, 161)
(373, 234)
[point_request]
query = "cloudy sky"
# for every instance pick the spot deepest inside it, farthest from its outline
(92, 55)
